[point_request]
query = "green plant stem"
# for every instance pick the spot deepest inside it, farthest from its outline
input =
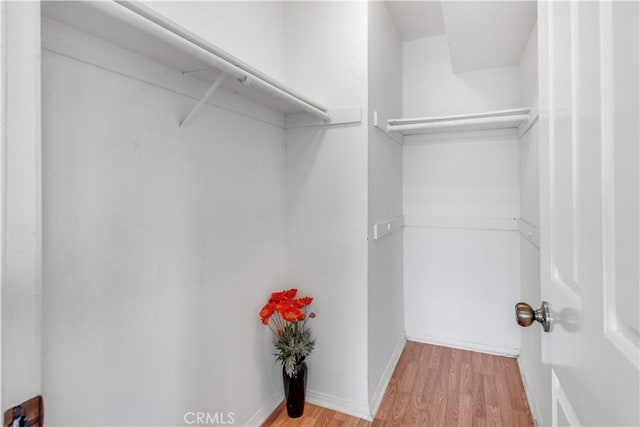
(272, 330)
(304, 323)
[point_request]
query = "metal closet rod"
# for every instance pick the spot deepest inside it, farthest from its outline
(429, 123)
(138, 17)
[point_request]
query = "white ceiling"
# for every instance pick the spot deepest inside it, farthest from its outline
(487, 33)
(481, 34)
(417, 19)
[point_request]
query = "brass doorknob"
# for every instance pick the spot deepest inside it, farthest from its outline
(525, 315)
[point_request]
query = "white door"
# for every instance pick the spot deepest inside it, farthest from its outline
(589, 122)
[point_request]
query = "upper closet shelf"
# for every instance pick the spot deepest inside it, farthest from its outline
(520, 118)
(141, 30)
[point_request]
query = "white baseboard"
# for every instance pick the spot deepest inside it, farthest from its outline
(362, 411)
(466, 345)
(315, 398)
(263, 413)
(381, 388)
(533, 406)
(338, 404)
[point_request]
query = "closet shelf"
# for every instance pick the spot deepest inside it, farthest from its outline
(141, 30)
(521, 118)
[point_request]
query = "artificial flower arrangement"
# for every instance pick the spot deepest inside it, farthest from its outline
(287, 317)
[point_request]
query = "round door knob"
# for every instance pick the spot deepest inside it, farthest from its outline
(525, 315)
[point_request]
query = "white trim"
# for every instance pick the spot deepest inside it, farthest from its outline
(567, 288)
(338, 404)
(575, 78)
(506, 224)
(615, 333)
(3, 86)
(608, 175)
(623, 340)
(466, 345)
(545, 89)
(529, 392)
(381, 388)
(37, 64)
(558, 396)
(263, 413)
(22, 192)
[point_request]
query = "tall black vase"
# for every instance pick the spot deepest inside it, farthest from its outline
(294, 390)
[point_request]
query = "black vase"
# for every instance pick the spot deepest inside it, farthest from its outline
(294, 390)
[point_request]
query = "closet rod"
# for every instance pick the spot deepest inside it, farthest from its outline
(131, 14)
(458, 122)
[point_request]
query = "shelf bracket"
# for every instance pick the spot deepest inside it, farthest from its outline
(199, 70)
(338, 116)
(204, 99)
(526, 124)
(387, 227)
(382, 123)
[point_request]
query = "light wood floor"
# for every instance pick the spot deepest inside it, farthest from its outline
(437, 386)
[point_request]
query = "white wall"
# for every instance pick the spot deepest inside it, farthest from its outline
(21, 275)
(385, 292)
(3, 92)
(475, 176)
(327, 66)
(148, 232)
(537, 376)
(326, 183)
(160, 246)
(137, 184)
(528, 74)
(455, 275)
(431, 88)
(252, 31)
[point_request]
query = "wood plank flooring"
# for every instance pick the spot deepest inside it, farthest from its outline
(437, 386)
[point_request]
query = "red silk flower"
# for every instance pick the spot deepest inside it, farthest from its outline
(286, 306)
